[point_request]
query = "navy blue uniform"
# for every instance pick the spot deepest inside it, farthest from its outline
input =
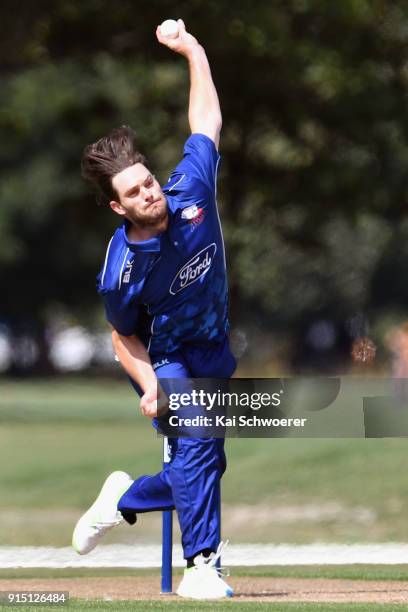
(171, 291)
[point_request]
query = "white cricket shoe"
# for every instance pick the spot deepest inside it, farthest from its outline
(102, 515)
(203, 580)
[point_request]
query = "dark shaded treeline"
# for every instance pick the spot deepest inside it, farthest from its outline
(313, 185)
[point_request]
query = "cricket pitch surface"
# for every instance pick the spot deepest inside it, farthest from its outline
(254, 588)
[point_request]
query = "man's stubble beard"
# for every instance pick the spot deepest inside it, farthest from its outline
(151, 220)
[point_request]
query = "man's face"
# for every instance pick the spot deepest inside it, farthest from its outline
(141, 199)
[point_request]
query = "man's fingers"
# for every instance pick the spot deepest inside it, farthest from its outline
(149, 410)
(166, 40)
(162, 39)
(154, 402)
(149, 407)
(179, 43)
(182, 27)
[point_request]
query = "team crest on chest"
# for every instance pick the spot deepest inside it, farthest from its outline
(194, 215)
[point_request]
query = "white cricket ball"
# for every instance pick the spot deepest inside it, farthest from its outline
(169, 28)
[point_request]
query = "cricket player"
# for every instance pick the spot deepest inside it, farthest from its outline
(164, 287)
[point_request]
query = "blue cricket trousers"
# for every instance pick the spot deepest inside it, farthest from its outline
(190, 483)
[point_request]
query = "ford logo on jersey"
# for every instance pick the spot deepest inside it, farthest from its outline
(194, 269)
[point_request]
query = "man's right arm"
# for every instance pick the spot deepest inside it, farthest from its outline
(204, 111)
(136, 362)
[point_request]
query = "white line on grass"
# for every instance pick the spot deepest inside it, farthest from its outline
(116, 555)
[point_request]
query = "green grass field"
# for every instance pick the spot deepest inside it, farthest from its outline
(343, 572)
(228, 605)
(59, 439)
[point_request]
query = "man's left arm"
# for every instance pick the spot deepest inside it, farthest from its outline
(204, 111)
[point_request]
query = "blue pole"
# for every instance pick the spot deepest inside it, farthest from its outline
(167, 536)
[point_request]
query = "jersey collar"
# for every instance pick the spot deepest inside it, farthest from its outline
(152, 245)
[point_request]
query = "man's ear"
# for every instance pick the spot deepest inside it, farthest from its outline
(117, 208)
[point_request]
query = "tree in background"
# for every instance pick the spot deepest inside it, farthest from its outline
(313, 184)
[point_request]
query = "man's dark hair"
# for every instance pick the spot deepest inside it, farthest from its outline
(103, 159)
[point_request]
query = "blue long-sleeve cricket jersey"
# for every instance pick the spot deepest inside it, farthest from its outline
(172, 289)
